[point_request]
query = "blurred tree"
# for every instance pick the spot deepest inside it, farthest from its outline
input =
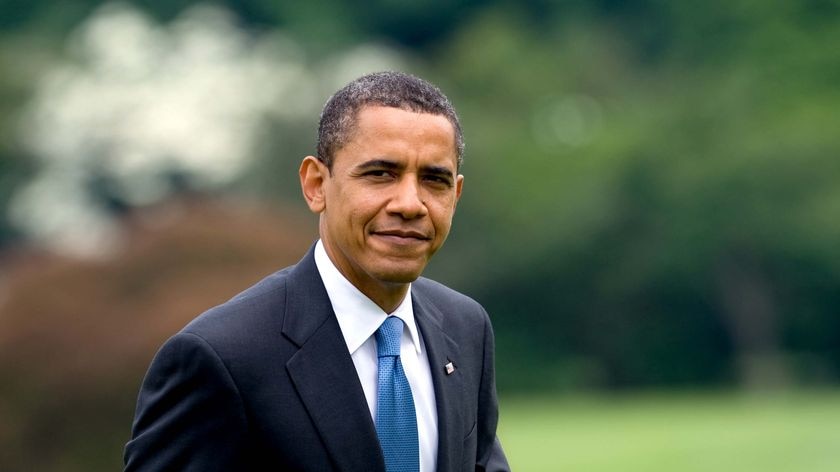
(651, 183)
(644, 214)
(77, 335)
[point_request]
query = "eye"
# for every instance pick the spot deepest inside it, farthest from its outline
(438, 180)
(378, 174)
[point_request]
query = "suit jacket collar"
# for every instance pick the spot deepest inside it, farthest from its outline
(448, 387)
(335, 400)
(321, 371)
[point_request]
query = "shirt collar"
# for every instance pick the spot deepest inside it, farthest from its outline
(358, 316)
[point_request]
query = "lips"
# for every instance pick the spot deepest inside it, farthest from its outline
(407, 234)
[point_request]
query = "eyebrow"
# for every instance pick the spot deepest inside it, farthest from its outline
(391, 165)
(379, 164)
(439, 171)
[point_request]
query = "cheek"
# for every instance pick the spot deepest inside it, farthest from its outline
(347, 204)
(442, 217)
(365, 207)
(358, 215)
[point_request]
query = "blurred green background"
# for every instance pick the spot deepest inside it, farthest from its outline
(650, 212)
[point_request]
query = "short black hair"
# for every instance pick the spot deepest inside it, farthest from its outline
(390, 89)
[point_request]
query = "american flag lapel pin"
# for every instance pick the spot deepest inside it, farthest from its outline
(450, 367)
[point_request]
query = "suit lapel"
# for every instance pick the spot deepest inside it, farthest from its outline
(324, 375)
(448, 387)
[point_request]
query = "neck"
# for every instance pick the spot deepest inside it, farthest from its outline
(388, 298)
(386, 295)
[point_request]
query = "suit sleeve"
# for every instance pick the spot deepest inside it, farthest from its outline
(189, 413)
(490, 456)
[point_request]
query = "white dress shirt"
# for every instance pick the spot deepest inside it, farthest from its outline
(359, 318)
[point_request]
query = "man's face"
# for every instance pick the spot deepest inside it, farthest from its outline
(389, 200)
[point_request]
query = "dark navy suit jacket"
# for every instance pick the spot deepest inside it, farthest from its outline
(265, 382)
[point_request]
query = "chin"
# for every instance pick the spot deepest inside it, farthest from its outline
(399, 275)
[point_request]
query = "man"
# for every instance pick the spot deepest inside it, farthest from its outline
(348, 360)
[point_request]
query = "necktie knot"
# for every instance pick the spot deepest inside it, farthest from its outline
(388, 337)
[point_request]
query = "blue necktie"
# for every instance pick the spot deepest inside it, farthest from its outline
(396, 423)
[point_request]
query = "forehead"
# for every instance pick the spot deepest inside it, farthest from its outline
(390, 129)
(382, 115)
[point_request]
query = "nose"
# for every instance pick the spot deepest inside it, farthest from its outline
(406, 200)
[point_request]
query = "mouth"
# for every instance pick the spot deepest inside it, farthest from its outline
(402, 235)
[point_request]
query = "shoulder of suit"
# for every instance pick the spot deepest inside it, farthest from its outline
(262, 300)
(436, 292)
(268, 286)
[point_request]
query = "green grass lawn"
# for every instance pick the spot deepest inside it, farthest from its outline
(784, 432)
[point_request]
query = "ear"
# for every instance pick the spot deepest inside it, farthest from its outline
(313, 173)
(459, 186)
